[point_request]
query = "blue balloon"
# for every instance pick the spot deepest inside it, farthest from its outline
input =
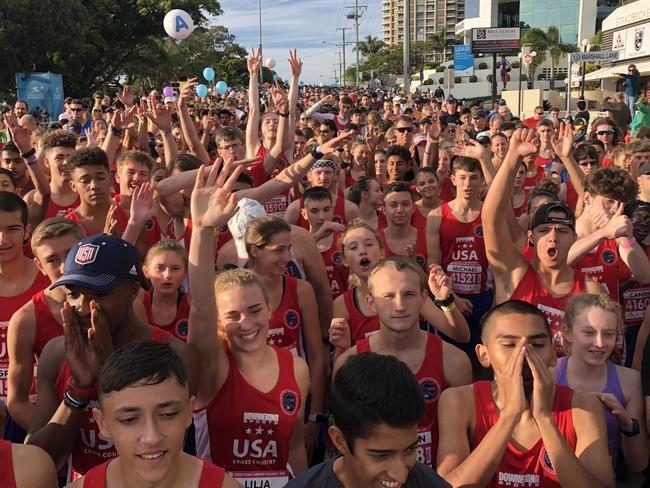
(222, 87)
(208, 73)
(302, 83)
(202, 90)
(275, 77)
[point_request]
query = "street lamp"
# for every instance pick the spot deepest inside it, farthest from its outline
(521, 61)
(583, 67)
(568, 96)
(531, 82)
(341, 63)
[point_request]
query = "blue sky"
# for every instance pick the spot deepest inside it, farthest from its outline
(301, 24)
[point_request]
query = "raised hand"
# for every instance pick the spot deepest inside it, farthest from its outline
(562, 143)
(523, 142)
(126, 97)
(436, 128)
(439, 282)
(142, 204)
(91, 140)
(110, 225)
(187, 92)
(511, 382)
(338, 141)
(160, 115)
(475, 150)
(295, 63)
(124, 119)
(213, 202)
(20, 135)
(254, 62)
(543, 381)
(619, 225)
(327, 229)
(339, 335)
(280, 100)
(86, 350)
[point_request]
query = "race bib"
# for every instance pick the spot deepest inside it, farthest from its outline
(635, 301)
(277, 205)
(261, 479)
(424, 452)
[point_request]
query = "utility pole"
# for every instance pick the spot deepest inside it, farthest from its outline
(262, 63)
(356, 15)
(343, 29)
(407, 46)
(341, 71)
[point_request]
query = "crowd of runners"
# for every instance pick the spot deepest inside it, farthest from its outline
(301, 286)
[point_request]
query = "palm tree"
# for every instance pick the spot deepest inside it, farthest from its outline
(438, 43)
(544, 42)
(370, 46)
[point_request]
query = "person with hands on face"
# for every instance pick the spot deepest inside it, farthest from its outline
(102, 277)
(244, 380)
(547, 281)
(521, 428)
(398, 291)
(592, 324)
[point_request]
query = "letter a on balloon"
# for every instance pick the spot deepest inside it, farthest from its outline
(181, 24)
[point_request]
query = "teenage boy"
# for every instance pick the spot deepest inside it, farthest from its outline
(376, 404)
(102, 279)
(58, 146)
(39, 320)
(141, 383)
(342, 120)
(11, 160)
(398, 289)
(397, 163)
(521, 429)
(400, 237)
(20, 280)
(91, 179)
(548, 281)
(317, 210)
(457, 243)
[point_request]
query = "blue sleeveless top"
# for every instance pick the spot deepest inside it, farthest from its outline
(613, 387)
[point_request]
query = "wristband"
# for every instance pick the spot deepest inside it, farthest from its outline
(435, 141)
(31, 162)
(628, 244)
(447, 302)
(28, 154)
(73, 403)
(316, 154)
(117, 132)
(283, 115)
(449, 308)
(81, 391)
(635, 429)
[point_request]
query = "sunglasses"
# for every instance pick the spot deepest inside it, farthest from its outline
(539, 113)
(608, 132)
(404, 129)
(76, 109)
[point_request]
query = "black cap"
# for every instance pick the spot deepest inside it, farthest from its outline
(501, 102)
(542, 215)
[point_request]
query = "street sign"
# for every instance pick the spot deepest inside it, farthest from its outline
(527, 58)
(596, 56)
(496, 40)
(463, 60)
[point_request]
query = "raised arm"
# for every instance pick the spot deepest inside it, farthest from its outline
(313, 111)
(296, 69)
(254, 64)
(481, 153)
(161, 117)
(187, 125)
(563, 146)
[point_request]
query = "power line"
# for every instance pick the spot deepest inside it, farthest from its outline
(356, 15)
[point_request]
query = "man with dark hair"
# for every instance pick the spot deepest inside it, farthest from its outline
(521, 429)
(377, 405)
(20, 279)
(78, 111)
(102, 279)
(91, 179)
(10, 159)
(141, 383)
(20, 108)
(342, 120)
(397, 163)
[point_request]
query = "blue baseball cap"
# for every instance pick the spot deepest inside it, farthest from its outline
(101, 263)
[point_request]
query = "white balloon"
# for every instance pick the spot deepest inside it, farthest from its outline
(270, 63)
(178, 24)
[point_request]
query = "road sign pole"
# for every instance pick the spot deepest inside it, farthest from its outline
(568, 89)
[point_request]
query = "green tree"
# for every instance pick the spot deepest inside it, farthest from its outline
(546, 42)
(438, 44)
(370, 46)
(92, 43)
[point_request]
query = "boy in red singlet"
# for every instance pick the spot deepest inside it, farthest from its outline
(377, 405)
(400, 237)
(521, 429)
(317, 210)
(91, 179)
(62, 199)
(26, 467)
(251, 400)
(548, 281)
(456, 233)
(19, 281)
(39, 320)
(102, 279)
(398, 289)
(145, 408)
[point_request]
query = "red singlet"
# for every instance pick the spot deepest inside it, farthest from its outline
(248, 432)
(361, 326)
(211, 476)
(530, 289)
(178, 326)
(91, 448)
(531, 181)
(571, 198)
(420, 247)
(338, 211)
(151, 227)
(278, 204)
(285, 325)
(337, 273)
(55, 210)
(447, 190)
(9, 306)
(7, 465)
(462, 252)
(431, 378)
(47, 327)
(531, 468)
(601, 265)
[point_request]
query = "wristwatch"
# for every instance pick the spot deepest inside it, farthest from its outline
(318, 418)
(636, 430)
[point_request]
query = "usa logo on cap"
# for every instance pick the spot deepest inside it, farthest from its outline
(86, 254)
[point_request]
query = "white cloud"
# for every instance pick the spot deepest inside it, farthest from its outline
(300, 24)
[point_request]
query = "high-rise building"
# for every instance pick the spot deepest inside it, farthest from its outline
(427, 17)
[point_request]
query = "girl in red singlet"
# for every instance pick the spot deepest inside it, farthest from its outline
(362, 250)
(357, 169)
(368, 195)
(447, 190)
(167, 305)
(519, 197)
(427, 185)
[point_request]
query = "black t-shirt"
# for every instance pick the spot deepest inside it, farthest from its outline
(322, 476)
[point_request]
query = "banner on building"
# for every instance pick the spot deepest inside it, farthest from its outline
(43, 90)
(463, 60)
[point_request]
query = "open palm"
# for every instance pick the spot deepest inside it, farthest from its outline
(213, 202)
